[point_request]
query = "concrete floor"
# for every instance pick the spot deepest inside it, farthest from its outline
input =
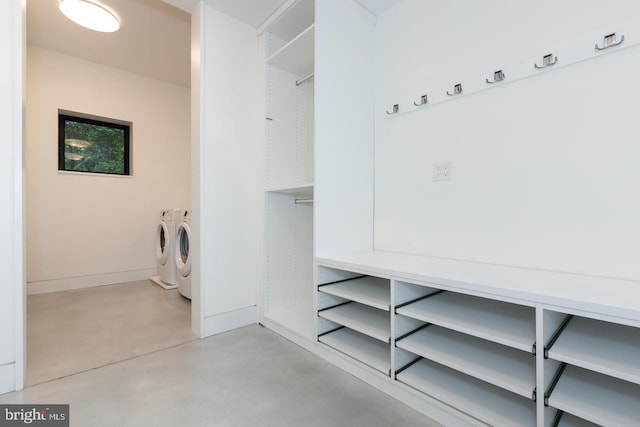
(73, 331)
(124, 355)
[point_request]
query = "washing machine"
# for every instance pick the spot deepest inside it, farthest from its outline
(183, 255)
(165, 247)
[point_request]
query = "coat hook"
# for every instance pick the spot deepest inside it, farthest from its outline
(547, 61)
(395, 110)
(610, 41)
(457, 90)
(423, 101)
(498, 76)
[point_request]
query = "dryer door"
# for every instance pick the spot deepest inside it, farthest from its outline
(162, 243)
(183, 260)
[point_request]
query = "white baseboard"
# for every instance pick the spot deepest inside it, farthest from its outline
(231, 320)
(70, 283)
(7, 377)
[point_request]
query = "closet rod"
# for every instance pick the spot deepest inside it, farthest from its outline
(305, 78)
(298, 201)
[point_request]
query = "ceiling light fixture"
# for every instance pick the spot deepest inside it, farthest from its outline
(90, 15)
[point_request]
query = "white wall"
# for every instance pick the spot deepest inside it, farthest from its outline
(226, 185)
(97, 229)
(344, 83)
(545, 169)
(11, 197)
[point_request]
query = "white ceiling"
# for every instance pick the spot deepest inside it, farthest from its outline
(154, 38)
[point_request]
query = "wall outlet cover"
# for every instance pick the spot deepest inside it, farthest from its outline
(442, 171)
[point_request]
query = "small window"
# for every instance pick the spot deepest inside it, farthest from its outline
(93, 145)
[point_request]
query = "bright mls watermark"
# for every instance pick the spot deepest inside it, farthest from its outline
(34, 415)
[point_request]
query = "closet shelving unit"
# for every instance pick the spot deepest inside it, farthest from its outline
(599, 376)
(495, 358)
(472, 353)
(288, 44)
(464, 342)
(354, 319)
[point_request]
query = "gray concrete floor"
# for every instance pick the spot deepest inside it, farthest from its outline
(123, 355)
(246, 377)
(73, 331)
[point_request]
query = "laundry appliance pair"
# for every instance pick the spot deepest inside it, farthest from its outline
(172, 251)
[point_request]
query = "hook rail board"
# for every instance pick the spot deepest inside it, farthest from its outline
(583, 48)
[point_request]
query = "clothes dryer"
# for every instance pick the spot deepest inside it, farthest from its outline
(165, 247)
(183, 253)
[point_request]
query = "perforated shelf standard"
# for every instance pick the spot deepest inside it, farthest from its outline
(505, 367)
(364, 319)
(365, 349)
(603, 347)
(504, 323)
(597, 398)
(371, 291)
(488, 403)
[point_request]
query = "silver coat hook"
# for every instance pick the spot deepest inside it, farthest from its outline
(498, 76)
(610, 41)
(547, 61)
(423, 101)
(395, 110)
(457, 90)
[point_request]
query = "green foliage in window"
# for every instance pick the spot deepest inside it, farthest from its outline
(93, 146)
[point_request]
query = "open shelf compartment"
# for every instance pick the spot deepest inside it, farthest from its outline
(368, 290)
(487, 403)
(505, 367)
(364, 349)
(597, 398)
(367, 320)
(294, 21)
(504, 323)
(568, 420)
(604, 347)
(296, 57)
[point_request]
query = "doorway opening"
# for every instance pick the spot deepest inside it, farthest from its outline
(90, 237)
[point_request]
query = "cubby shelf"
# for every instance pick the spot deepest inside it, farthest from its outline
(367, 350)
(364, 319)
(296, 57)
(305, 190)
(504, 323)
(502, 366)
(294, 20)
(483, 401)
(597, 398)
(568, 420)
(371, 291)
(603, 347)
